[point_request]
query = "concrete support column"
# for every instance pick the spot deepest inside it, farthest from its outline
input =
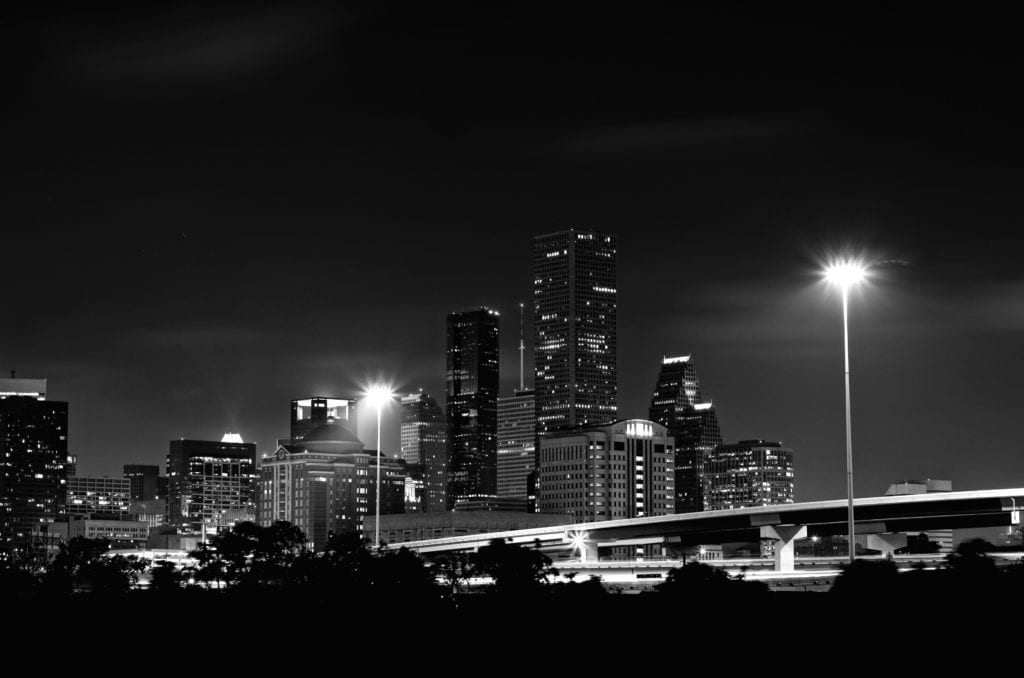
(887, 543)
(785, 549)
(588, 552)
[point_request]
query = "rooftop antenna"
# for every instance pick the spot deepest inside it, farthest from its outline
(522, 346)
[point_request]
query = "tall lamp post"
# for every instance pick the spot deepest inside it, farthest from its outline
(378, 396)
(846, 274)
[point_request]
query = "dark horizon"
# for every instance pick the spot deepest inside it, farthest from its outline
(216, 211)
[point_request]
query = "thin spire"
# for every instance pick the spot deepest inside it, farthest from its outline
(522, 346)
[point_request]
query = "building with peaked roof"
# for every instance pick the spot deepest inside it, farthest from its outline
(691, 421)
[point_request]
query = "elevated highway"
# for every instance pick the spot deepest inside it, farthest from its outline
(884, 521)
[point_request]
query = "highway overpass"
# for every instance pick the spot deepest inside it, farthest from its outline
(884, 520)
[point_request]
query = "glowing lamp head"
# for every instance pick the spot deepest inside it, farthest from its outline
(845, 273)
(379, 395)
(578, 539)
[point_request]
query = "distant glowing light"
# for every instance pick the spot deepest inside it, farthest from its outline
(232, 438)
(845, 273)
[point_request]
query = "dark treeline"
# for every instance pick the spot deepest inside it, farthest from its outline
(250, 562)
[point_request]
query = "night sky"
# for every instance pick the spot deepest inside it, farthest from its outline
(210, 211)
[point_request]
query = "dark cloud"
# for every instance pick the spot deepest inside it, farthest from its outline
(198, 50)
(673, 136)
(198, 337)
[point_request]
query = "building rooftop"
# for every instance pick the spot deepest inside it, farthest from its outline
(32, 388)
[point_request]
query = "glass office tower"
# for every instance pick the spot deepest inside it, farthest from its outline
(472, 405)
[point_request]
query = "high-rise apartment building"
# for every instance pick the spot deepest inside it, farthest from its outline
(619, 470)
(472, 405)
(424, 449)
(33, 460)
(517, 434)
(748, 473)
(144, 480)
(575, 340)
(677, 404)
(211, 484)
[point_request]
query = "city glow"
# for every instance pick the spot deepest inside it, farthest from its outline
(845, 273)
(379, 395)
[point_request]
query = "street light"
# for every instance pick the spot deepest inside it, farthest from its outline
(846, 274)
(378, 396)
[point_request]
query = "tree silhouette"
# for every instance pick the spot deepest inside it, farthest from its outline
(81, 564)
(165, 577)
(404, 573)
(513, 568)
(867, 578)
(251, 555)
(700, 579)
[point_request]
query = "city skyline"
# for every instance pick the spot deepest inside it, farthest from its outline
(192, 280)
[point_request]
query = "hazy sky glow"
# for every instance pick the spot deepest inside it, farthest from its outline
(211, 212)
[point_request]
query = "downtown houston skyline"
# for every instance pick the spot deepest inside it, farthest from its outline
(217, 213)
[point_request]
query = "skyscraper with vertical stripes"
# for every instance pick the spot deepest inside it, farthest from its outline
(575, 340)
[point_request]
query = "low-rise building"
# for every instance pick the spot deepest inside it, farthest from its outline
(748, 473)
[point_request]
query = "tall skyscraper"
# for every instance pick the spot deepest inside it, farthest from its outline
(618, 470)
(677, 405)
(211, 485)
(472, 405)
(424, 448)
(748, 473)
(144, 479)
(517, 433)
(575, 340)
(33, 460)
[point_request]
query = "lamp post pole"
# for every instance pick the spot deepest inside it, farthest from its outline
(376, 523)
(849, 431)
